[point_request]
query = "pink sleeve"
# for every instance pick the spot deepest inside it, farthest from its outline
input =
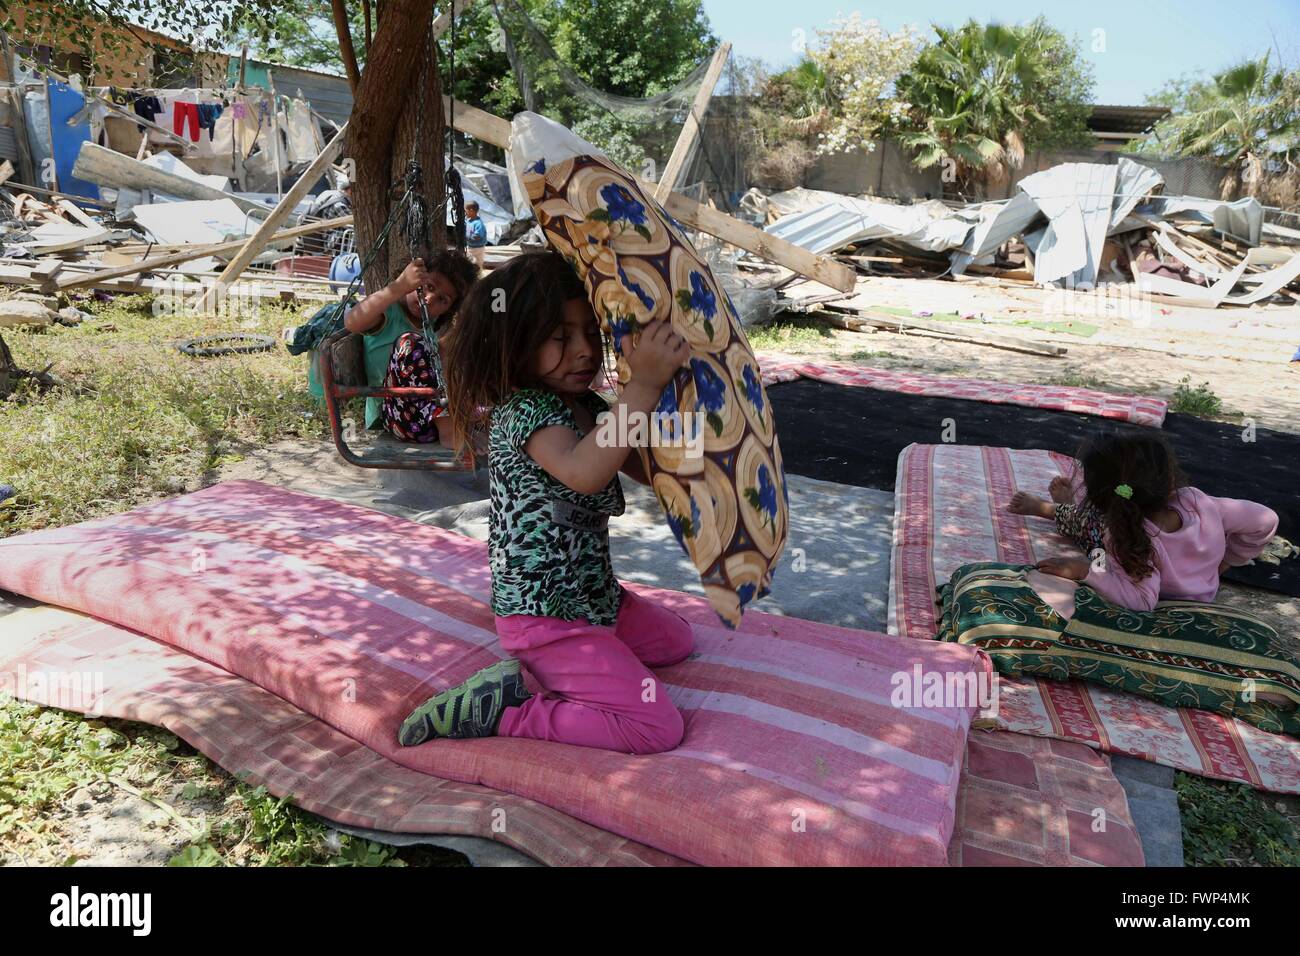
(1117, 587)
(1247, 526)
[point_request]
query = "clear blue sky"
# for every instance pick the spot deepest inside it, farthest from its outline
(1146, 41)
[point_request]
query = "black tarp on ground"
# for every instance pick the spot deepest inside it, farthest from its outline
(853, 435)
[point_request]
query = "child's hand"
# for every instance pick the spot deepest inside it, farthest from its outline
(1075, 569)
(412, 277)
(659, 352)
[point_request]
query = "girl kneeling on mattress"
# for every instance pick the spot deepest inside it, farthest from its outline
(1152, 536)
(527, 346)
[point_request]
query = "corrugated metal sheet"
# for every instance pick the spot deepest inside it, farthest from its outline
(848, 220)
(1077, 199)
(330, 96)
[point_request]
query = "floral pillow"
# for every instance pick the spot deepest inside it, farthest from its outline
(713, 457)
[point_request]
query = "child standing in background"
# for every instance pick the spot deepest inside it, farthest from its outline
(475, 233)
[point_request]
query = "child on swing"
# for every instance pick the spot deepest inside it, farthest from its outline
(1162, 539)
(527, 346)
(395, 355)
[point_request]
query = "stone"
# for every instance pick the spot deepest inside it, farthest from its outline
(18, 312)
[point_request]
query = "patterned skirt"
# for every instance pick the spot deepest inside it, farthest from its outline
(1082, 524)
(410, 367)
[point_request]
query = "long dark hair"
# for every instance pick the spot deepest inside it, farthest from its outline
(500, 326)
(1145, 462)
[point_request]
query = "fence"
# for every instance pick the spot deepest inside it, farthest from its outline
(888, 172)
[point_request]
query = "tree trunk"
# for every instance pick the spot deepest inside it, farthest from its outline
(394, 99)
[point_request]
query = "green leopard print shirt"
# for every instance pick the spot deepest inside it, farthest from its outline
(549, 545)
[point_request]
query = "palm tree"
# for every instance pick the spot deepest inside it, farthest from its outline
(1252, 115)
(973, 94)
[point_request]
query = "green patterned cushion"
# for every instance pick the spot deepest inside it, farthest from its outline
(1182, 654)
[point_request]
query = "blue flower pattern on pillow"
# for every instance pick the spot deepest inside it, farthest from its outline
(701, 300)
(636, 289)
(710, 393)
(753, 388)
(622, 207)
(763, 498)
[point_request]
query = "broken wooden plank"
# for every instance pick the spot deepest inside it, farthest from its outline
(195, 252)
(46, 269)
(691, 129)
(493, 129)
(859, 319)
(266, 231)
(105, 167)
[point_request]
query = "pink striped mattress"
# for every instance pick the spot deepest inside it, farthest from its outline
(950, 509)
(1022, 801)
(1138, 409)
(793, 754)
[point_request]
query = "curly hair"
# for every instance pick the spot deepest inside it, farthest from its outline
(459, 270)
(503, 322)
(1146, 463)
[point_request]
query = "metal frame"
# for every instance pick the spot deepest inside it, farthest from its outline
(408, 456)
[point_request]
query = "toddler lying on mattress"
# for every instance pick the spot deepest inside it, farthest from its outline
(1150, 536)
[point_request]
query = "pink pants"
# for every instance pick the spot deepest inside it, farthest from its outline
(597, 690)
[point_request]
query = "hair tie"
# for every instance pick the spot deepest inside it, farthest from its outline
(1124, 491)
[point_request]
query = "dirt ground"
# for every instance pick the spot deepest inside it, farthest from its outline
(1139, 346)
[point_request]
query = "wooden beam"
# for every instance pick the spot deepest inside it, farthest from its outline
(691, 130)
(495, 130)
(105, 167)
(857, 320)
(266, 231)
(195, 252)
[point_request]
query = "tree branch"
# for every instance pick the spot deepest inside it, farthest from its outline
(349, 54)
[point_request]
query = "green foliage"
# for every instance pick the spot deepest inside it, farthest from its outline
(97, 28)
(1195, 400)
(1247, 118)
(1231, 824)
(156, 420)
(983, 94)
(798, 92)
(790, 333)
(860, 63)
(301, 33)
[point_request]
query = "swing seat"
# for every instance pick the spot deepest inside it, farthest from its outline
(343, 376)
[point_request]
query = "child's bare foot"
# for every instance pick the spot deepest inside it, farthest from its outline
(1059, 489)
(1023, 503)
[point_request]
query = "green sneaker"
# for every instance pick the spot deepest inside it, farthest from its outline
(471, 709)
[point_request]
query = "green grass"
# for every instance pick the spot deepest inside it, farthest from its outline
(1231, 824)
(866, 355)
(791, 333)
(1067, 326)
(1195, 399)
(157, 420)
